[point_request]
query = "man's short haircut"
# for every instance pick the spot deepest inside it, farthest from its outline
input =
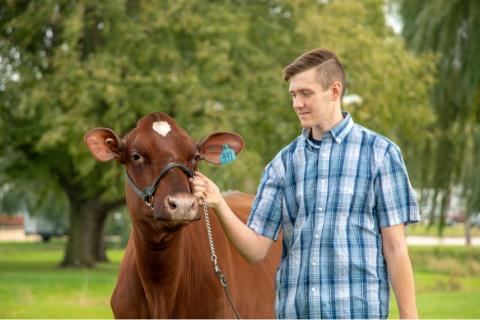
(329, 68)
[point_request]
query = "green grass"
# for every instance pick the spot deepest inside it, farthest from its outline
(457, 230)
(447, 281)
(32, 285)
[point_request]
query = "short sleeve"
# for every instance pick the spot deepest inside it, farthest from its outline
(394, 195)
(265, 216)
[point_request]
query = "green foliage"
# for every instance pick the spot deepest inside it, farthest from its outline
(451, 30)
(211, 65)
(470, 169)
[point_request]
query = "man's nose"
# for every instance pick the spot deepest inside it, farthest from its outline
(297, 102)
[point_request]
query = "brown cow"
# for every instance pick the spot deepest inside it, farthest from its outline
(166, 271)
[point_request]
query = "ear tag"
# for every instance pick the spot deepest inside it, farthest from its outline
(227, 155)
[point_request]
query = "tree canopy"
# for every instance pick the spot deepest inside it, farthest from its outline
(451, 30)
(75, 65)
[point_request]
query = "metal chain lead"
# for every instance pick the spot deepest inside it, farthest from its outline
(213, 258)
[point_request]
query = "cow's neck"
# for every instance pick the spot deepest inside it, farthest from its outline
(157, 253)
(166, 261)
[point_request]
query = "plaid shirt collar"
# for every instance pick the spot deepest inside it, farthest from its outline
(337, 133)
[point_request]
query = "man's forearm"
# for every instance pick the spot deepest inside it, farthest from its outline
(249, 244)
(401, 277)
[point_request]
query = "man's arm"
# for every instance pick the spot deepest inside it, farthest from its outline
(395, 251)
(251, 246)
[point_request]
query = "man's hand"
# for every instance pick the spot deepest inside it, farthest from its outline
(206, 190)
(251, 246)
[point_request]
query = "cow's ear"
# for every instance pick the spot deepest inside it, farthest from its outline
(104, 144)
(213, 147)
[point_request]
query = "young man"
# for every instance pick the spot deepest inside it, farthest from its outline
(340, 193)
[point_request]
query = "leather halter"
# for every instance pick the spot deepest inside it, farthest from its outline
(148, 192)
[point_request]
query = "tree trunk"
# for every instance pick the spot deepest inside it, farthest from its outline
(99, 249)
(433, 209)
(86, 245)
(444, 208)
(79, 251)
(468, 234)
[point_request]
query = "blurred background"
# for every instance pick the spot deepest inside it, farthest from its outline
(69, 66)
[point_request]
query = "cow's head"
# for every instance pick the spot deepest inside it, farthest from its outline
(158, 150)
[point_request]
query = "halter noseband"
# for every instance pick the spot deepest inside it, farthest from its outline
(148, 193)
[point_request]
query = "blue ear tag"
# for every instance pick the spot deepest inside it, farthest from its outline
(227, 155)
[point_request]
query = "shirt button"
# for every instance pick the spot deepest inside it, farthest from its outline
(322, 181)
(324, 154)
(314, 289)
(316, 235)
(320, 209)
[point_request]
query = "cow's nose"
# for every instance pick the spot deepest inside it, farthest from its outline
(182, 206)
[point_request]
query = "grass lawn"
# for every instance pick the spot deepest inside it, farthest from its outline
(447, 281)
(456, 230)
(32, 285)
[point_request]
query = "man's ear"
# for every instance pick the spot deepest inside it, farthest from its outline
(104, 144)
(336, 89)
(211, 147)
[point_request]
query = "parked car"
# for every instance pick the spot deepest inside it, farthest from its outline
(45, 228)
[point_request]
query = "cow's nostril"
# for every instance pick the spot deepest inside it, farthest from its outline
(171, 203)
(181, 206)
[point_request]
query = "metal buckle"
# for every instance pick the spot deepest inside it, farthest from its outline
(149, 201)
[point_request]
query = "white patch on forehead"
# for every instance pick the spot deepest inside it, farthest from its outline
(162, 127)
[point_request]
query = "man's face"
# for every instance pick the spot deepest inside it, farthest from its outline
(312, 103)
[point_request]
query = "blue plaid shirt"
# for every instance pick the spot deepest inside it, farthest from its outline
(331, 199)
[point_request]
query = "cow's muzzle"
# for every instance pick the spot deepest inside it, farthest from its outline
(181, 207)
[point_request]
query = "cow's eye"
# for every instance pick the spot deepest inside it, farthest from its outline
(136, 156)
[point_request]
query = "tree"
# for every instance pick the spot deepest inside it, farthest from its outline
(450, 29)
(213, 66)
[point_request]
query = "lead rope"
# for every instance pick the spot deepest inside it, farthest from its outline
(213, 258)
